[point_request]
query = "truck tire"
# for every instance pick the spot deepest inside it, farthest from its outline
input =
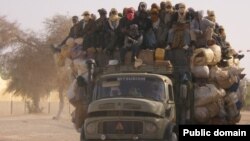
(170, 134)
(82, 136)
(172, 138)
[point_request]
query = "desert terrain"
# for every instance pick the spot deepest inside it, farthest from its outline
(41, 127)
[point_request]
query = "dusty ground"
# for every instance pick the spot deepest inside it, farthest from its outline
(245, 118)
(43, 128)
(36, 128)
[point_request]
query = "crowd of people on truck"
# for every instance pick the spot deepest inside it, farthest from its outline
(164, 26)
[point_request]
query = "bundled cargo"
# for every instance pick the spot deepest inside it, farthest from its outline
(231, 102)
(234, 70)
(233, 62)
(205, 113)
(217, 54)
(147, 56)
(225, 77)
(207, 94)
(201, 114)
(200, 71)
(242, 90)
(202, 56)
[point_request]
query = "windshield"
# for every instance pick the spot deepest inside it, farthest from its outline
(131, 86)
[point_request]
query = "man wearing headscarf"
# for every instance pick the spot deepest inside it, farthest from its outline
(168, 15)
(142, 7)
(125, 23)
(178, 36)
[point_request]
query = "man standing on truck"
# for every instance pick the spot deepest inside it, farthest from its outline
(78, 96)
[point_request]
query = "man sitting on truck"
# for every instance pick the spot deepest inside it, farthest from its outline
(132, 42)
(73, 33)
(87, 26)
(179, 36)
(201, 30)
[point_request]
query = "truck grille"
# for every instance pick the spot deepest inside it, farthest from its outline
(121, 127)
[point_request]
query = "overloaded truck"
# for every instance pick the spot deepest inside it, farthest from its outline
(140, 102)
(148, 100)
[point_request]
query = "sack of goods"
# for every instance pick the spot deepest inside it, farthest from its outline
(225, 77)
(202, 56)
(231, 103)
(205, 113)
(233, 62)
(242, 90)
(207, 94)
(147, 56)
(217, 54)
(200, 71)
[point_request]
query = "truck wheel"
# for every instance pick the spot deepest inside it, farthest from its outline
(170, 133)
(82, 136)
(172, 138)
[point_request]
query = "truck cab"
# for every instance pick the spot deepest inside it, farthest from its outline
(131, 106)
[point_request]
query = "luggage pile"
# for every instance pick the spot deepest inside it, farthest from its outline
(219, 89)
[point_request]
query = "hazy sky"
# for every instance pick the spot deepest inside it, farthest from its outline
(233, 15)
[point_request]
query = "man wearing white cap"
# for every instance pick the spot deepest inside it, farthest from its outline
(87, 27)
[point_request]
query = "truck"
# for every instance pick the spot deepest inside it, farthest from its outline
(139, 103)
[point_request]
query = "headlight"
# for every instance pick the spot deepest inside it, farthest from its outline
(91, 128)
(150, 127)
